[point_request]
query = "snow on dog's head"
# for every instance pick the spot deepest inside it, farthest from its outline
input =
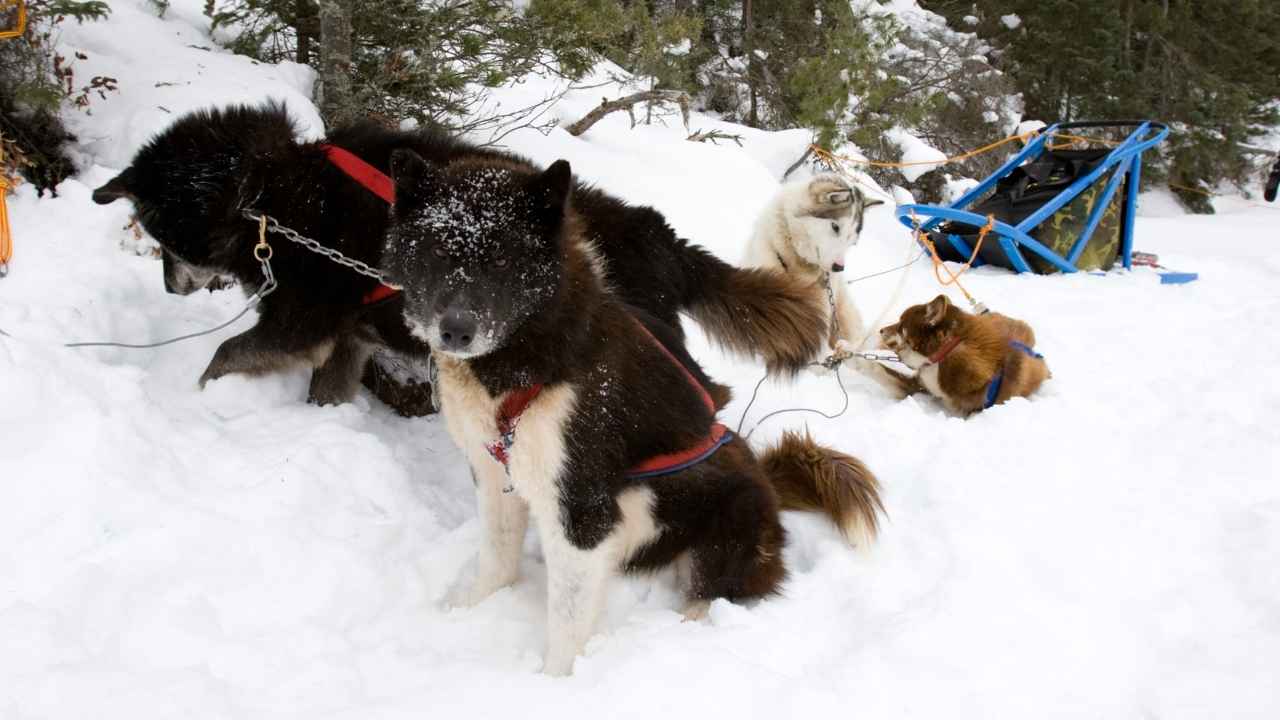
(826, 217)
(477, 246)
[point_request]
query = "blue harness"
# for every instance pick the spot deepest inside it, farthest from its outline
(993, 390)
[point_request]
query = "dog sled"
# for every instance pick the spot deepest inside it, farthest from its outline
(1057, 206)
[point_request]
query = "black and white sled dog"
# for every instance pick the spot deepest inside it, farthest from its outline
(584, 411)
(806, 231)
(191, 184)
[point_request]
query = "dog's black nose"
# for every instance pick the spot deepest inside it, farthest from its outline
(457, 330)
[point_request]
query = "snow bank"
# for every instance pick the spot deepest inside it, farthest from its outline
(1104, 549)
(166, 68)
(915, 150)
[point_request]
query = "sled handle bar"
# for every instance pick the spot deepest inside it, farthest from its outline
(1110, 123)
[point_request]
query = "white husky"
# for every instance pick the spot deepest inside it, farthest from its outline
(806, 230)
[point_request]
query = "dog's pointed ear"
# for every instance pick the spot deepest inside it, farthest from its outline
(871, 203)
(115, 188)
(551, 188)
(936, 310)
(413, 176)
(829, 191)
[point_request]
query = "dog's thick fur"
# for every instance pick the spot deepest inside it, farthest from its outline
(961, 380)
(805, 231)
(191, 183)
(505, 281)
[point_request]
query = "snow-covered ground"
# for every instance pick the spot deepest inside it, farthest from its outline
(1106, 549)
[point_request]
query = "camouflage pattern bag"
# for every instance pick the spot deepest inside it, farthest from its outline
(1026, 190)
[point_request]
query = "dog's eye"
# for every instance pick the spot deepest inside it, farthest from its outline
(835, 228)
(439, 251)
(500, 262)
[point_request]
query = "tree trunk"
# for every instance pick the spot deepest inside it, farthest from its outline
(337, 101)
(749, 46)
(306, 25)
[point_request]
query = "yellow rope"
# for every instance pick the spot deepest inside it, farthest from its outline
(938, 263)
(831, 158)
(6, 238)
(21, 26)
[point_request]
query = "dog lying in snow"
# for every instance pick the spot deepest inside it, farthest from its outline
(585, 412)
(806, 231)
(191, 183)
(969, 362)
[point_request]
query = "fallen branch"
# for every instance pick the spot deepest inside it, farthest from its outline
(713, 136)
(608, 106)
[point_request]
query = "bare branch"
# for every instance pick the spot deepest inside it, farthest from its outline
(608, 106)
(713, 136)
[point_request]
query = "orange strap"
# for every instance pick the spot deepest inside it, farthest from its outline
(6, 238)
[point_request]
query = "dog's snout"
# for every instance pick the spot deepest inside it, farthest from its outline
(457, 330)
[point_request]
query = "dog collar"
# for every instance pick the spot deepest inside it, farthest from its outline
(944, 351)
(373, 179)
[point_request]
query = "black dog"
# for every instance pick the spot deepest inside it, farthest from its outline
(584, 414)
(192, 183)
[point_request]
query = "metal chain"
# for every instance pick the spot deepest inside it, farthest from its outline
(831, 302)
(294, 236)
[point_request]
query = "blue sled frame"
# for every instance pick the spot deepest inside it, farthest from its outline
(1014, 239)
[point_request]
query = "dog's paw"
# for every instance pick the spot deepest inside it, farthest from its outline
(325, 395)
(696, 610)
(558, 664)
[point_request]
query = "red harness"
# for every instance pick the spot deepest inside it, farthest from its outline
(376, 182)
(944, 351)
(517, 401)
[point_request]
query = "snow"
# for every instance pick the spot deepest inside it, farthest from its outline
(1011, 21)
(1104, 549)
(918, 155)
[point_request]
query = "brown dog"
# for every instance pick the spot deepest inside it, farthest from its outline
(970, 362)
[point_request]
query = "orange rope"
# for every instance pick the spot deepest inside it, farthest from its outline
(830, 157)
(21, 26)
(1198, 191)
(1206, 193)
(6, 239)
(939, 264)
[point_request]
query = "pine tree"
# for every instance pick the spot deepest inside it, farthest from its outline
(410, 59)
(1208, 69)
(35, 82)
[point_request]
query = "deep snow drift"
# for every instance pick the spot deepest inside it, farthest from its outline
(1106, 549)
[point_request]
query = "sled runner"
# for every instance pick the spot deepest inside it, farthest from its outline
(1057, 207)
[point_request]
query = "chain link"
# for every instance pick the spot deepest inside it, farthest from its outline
(294, 236)
(834, 359)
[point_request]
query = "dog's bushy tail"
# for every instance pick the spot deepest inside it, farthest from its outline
(756, 312)
(810, 477)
